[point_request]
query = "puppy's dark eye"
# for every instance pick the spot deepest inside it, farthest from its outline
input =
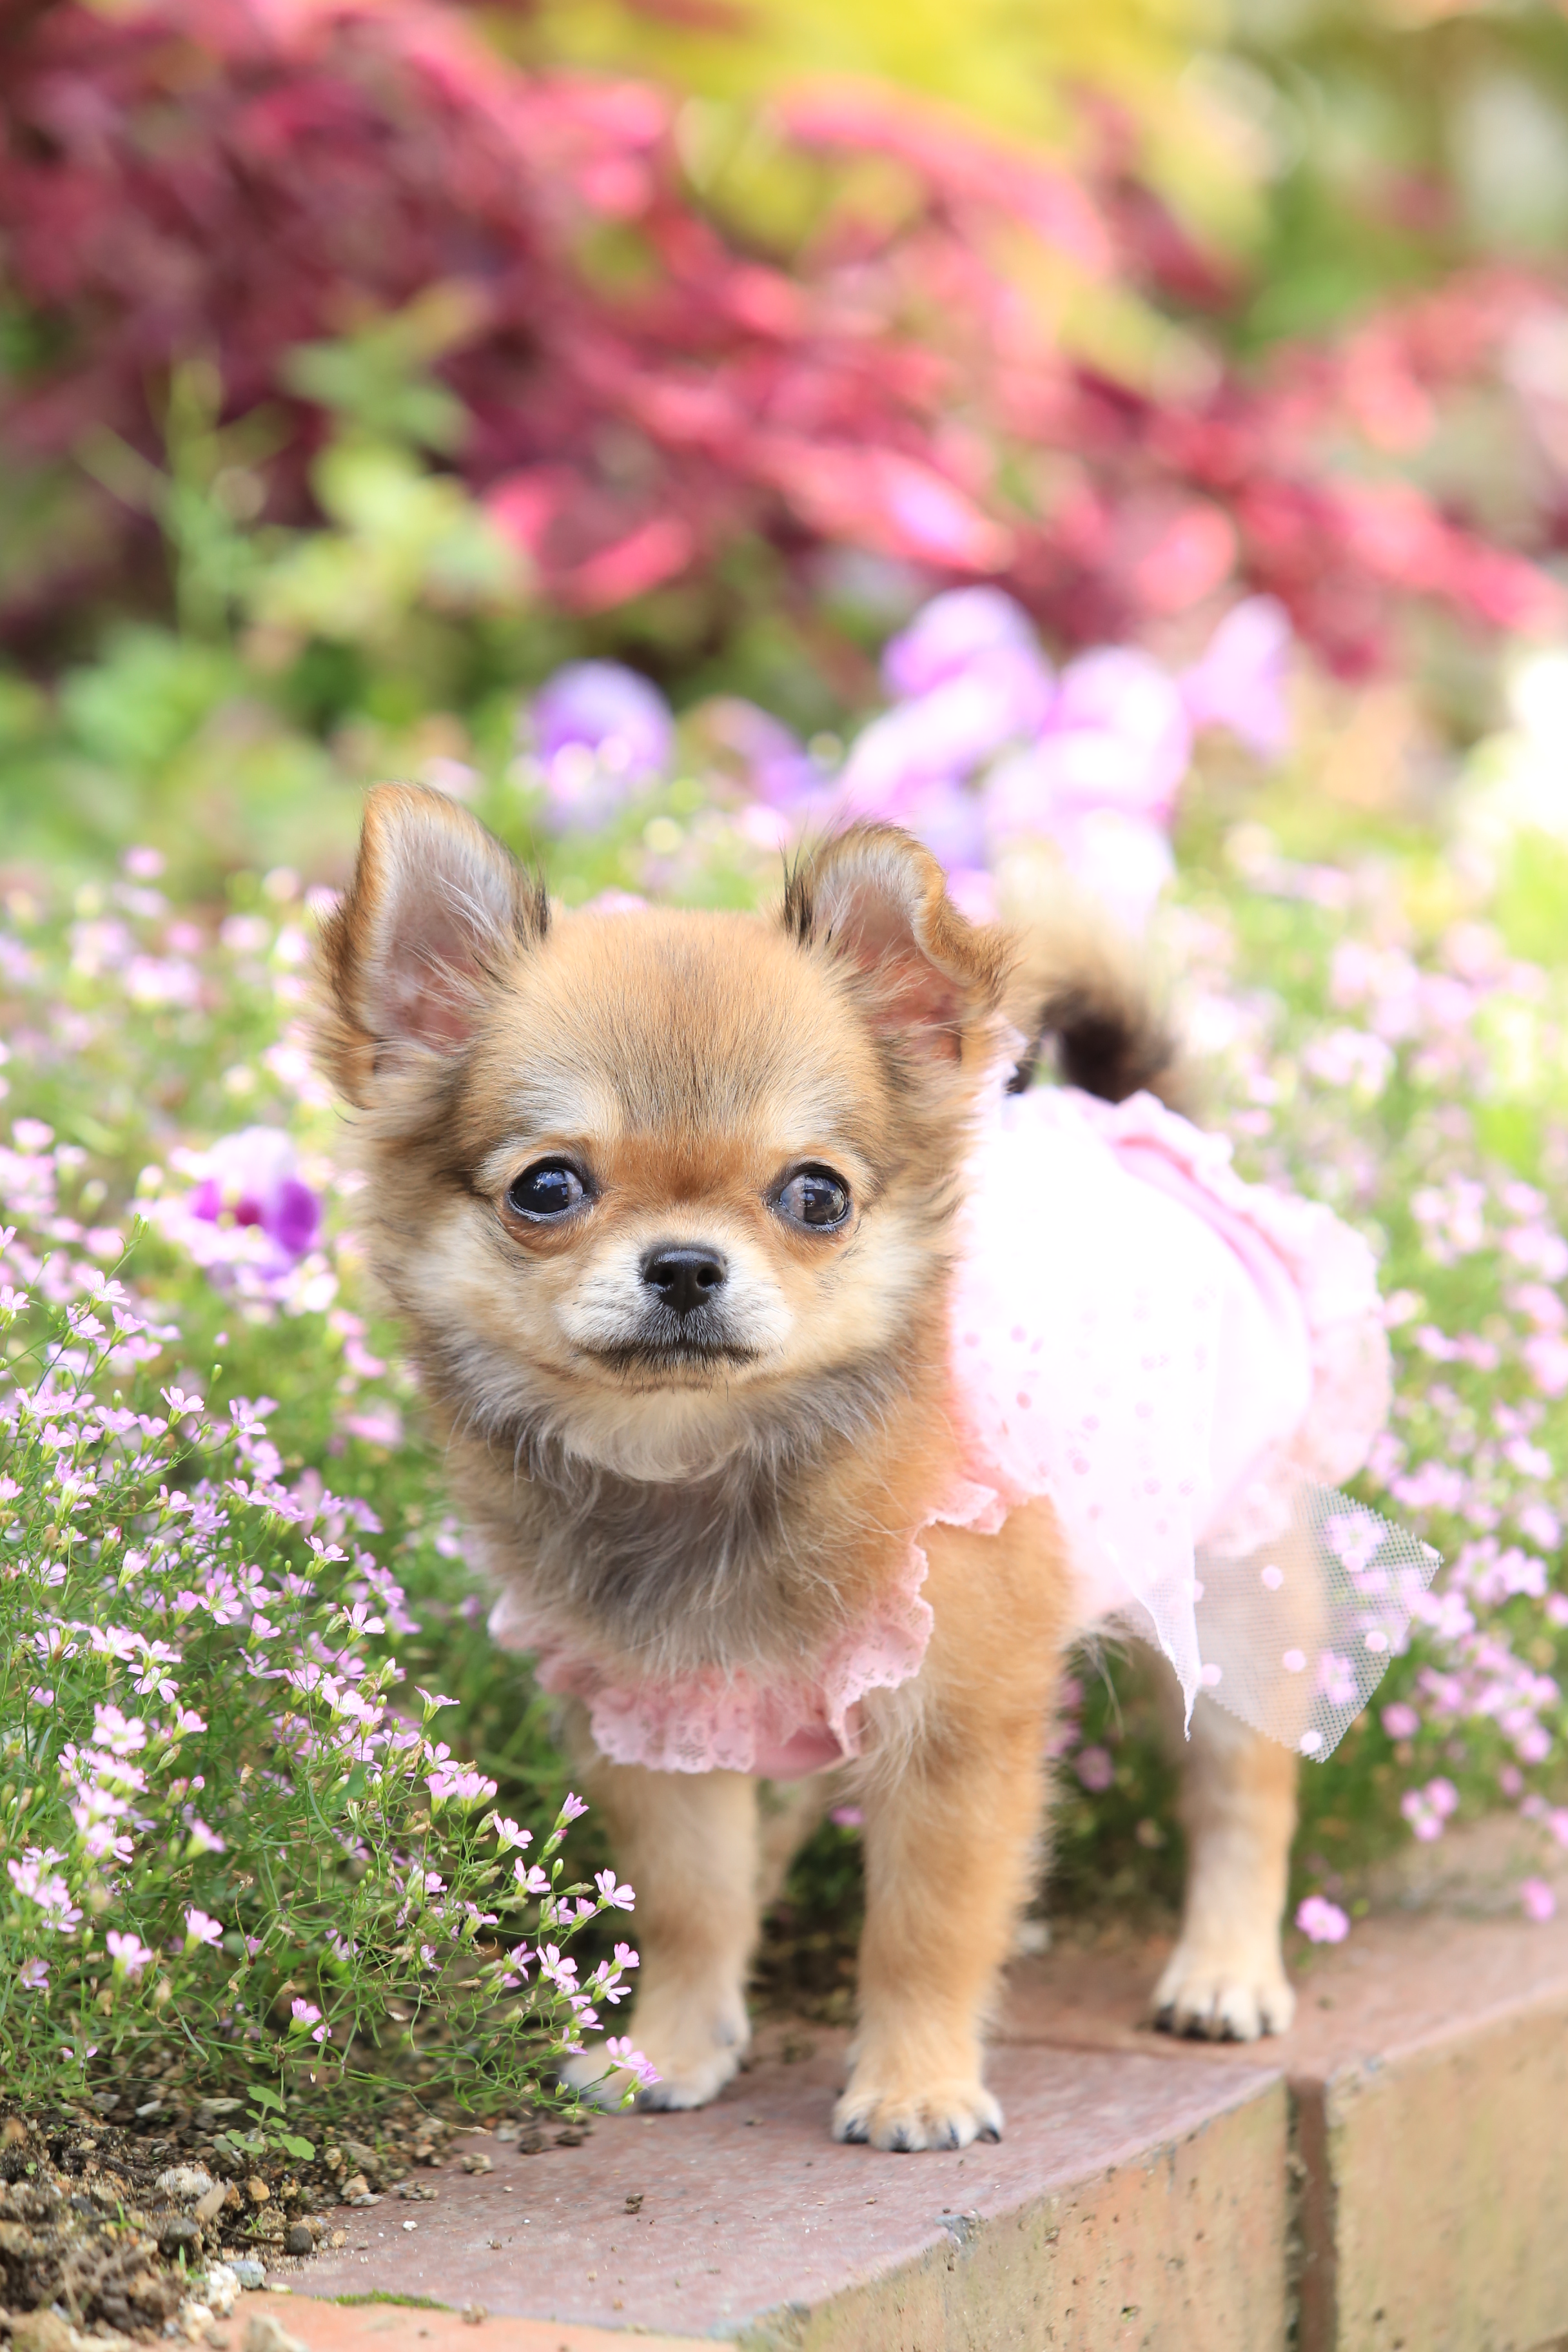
(548, 1189)
(816, 1196)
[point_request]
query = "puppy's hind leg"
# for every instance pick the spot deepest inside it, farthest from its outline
(1226, 1980)
(688, 1843)
(790, 1811)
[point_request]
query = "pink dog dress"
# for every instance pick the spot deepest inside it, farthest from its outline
(1186, 1365)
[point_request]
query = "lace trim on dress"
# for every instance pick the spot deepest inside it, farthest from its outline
(714, 1721)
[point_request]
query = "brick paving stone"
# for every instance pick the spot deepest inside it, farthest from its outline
(1131, 2204)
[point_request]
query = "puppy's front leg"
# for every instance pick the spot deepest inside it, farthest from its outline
(1226, 1980)
(949, 1842)
(687, 1843)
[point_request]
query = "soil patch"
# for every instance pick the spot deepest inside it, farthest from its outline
(110, 2220)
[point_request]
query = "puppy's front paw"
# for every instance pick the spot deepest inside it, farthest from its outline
(905, 2115)
(689, 2082)
(1224, 1995)
(597, 2079)
(694, 2057)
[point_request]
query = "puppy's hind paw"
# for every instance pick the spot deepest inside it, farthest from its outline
(903, 2119)
(1215, 1998)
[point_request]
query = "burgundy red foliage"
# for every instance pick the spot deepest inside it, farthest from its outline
(232, 178)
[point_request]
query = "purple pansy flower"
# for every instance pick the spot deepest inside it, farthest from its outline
(252, 1180)
(612, 710)
(601, 732)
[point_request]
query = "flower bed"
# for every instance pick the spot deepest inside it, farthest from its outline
(506, 393)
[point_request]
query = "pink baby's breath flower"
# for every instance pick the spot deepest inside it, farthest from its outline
(128, 1952)
(1538, 1901)
(112, 1731)
(33, 1976)
(507, 1834)
(617, 1898)
(1428, 1810)
(1401, 1722)
(464, 1788)
(201, 1929)
(1095, 1768)
(620, 2048)
(571, 1808)
(1321, 1921)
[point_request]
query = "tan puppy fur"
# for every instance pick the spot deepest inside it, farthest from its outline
(732, 1480)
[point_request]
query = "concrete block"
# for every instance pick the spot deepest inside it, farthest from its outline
(1428, 2079)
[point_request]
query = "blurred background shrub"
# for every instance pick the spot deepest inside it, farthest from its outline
(362, 362)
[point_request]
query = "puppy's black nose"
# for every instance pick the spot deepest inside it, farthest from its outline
(684, 1278)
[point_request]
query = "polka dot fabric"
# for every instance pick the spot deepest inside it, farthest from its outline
(1163, 1350)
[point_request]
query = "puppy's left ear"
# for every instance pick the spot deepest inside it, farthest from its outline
(877, 899)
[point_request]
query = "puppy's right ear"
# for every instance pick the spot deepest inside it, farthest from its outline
(436, 915)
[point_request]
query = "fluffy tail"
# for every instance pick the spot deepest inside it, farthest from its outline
(1078, 983)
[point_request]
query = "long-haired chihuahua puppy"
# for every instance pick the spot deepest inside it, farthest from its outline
(808, 1386)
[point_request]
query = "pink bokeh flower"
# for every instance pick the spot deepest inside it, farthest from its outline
(1239, 680)
(1321, 1921)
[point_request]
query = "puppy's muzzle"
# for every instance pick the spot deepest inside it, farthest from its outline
(685, 1277)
